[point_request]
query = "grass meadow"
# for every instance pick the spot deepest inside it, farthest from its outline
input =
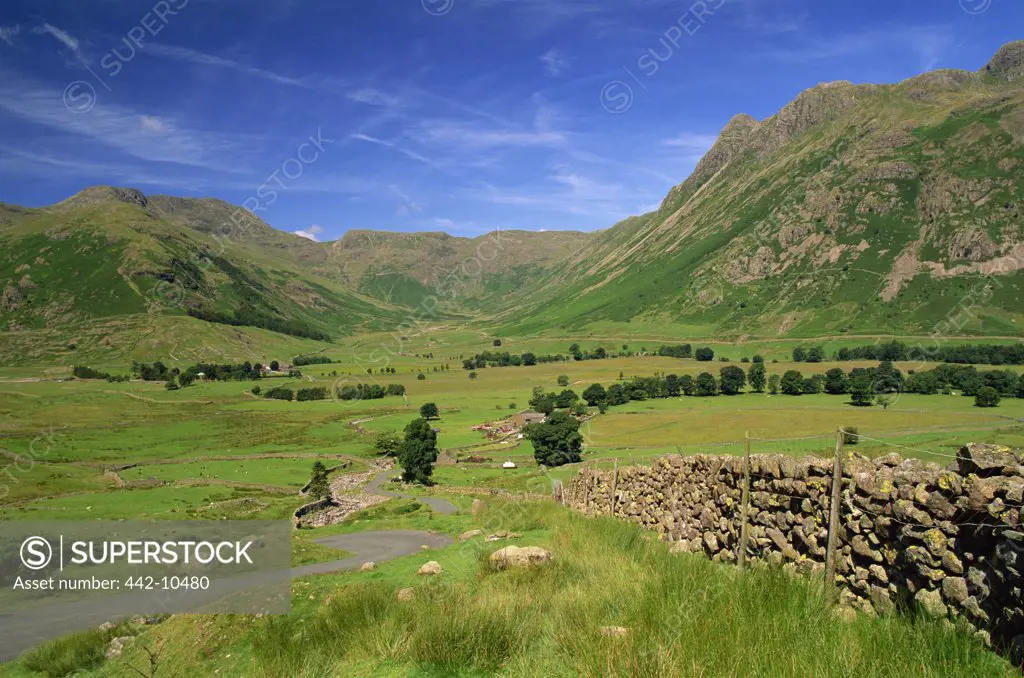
(214, 451)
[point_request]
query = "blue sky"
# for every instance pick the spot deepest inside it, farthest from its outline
(455, 115)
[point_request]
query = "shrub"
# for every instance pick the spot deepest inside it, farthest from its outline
(850, 436)
(421, 376)
(704, 354)
(987, 397)
(318, 393)
(279, 393)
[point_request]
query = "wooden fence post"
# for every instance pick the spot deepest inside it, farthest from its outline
(745, 504)
(615, 483)
(833, 513)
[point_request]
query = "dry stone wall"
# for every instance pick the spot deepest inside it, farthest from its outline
(948, 538)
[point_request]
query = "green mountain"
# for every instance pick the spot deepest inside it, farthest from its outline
(856, 208)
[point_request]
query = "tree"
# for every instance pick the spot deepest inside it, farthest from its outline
(566, 398)
(429, 411)
(529, 359)
(705, 385)
(319, 487)
(885, 400)
(793, 383)
(472, 374)
(704, 354)
(815, 354)
(686, 384)
(418, 452)
(577, 354)
(556, 441)
(987, 397)
(421, 376)
(595, 394)
(799, 354)
(757, 376)
(888, 379)
(497, 342)
(773, 384)
(563, 380)
(616, 395)
(758, 358)
(579, 409)
(732, 380)
(388, 443)
(813, 384)
(861, 393)
(274, 366)
(673, 387)
(836, 382)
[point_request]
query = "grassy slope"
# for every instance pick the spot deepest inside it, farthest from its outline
(765, 242)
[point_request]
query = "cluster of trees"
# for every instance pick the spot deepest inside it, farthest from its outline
(598, 353)
(704, 354)
(548, 401)
(677, 351)
(814, 354)
(249, 316)
(83, 372)
(506, 359)
(301, 360)
(556, 441)
(370, 391)
(277, 393)
(316, 393)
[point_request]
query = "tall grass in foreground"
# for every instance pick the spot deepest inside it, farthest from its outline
(76, 652)
(684, 615)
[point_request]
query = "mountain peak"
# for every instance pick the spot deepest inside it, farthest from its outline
(1008, 62)
(97, 195)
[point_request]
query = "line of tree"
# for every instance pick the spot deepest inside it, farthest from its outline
(677, 351)
(301, 360)
(599, 353)
(369, 391)
(506, 359)
(248, 316)
(83, 372)
(315, 393)
(978, 354)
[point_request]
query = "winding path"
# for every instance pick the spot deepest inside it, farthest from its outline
(440, 505)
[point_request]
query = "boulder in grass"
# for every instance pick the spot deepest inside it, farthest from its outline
(430, 569)
(465, 536)
(520, 557)
(406, 594)
(368, 567)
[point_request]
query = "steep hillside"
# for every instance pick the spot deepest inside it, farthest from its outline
(107, 254)
(856, 208)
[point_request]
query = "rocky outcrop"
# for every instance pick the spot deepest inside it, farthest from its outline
(1008, 62)
(910, 532)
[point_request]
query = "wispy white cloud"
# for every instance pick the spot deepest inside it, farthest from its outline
(153, 124)
(70, 41)
(927, 42)
(393, 146)
(374, 97)
(310, 233)
(7, 33)
(690, 140)
(124, 129)
(204, 59)
(555, 62)
(466, 134)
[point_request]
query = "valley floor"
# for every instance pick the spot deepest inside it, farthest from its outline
(91, 449)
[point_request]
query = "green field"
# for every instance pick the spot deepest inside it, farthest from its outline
(215, 451)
